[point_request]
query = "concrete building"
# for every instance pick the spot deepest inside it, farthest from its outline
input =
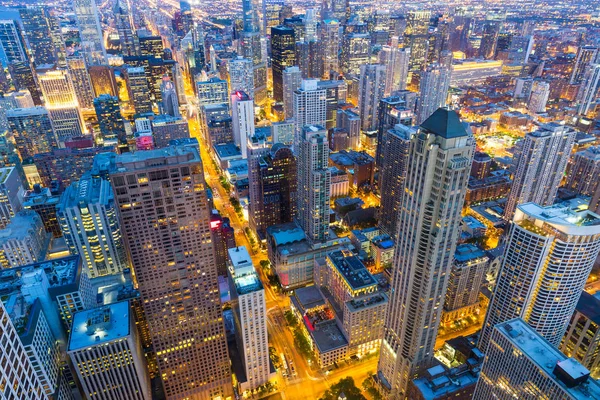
(355, 50)
(11, 194)
(584, 171)
(242, 115)
(170, 100)
(540, 91)
(393, 110)
(92, 42)
(283, 132)
(12, 43)
(105, 349)
(310, 107)
(80, 79)
(550, 251)
(139, 90)
(241, 76)
(586, 55)
(32, 130)
(408, 346)
(250, 312)
(110, 120)
(212, 92)
(371, 90)
(330, 39)
(166, 128)
(586, 96)
(23, 240)
(522, 364)
(87, 214)
(175, 294)
(433, 90)
(540, 163)
(291, 78)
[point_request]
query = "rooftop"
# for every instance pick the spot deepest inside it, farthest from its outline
(226, 150)
(247, 284)
(21, 226)
(467, 252)
(547, 357)
(445, 123)
(563, 218)
(309, 297)
(100, 325)
(139, 159)
(350, 158)
(366, 302)
(352, 269)
(589, 305)
(88, 190)
(5, 173)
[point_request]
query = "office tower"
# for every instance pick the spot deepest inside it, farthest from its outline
(32, 130)
(584, 172)
(170, 102)
(291, 81)
(586, 55)
(36, 27)
(523, 88)
(586, 95)
(273, 10)
(212, 91)
(335, 9)
(393, 170)
(11, 194)
(283, 55)
(416, 38)
(346, 134)
(489, 39)
(310, 106)
(522, 364)
(466, 277)
(57, 88)
(242, 116)
(90, 32)
(330, 39)
(550, 251)
(314, 178)
(43, 202)
(482, 165)
(23, 240)
(252, 45)
(393, 110)
(166, 128)
(137, 86)
(387, 57)
(103, 80)
(25, 383)
(400, 72)
(223, 236)
(112, 125)
(250, 315)
(433, 90)
(151, 46)
(520, 49)
(67, 122)
(309, 59)
(11, 41)
(88, 219)
(540, 166)
(81, 81)
(176, 274)
(187, 16)
(130, 45)
(277, 186)
(582, 337)
(106, 352)
(371, 91)
(241, 76)
(25, 79)
(355, 51)
(540, 91)
(336, 93)
(440, 152)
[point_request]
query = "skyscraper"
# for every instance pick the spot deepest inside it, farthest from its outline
(57, 88)
(242, 115)
(283, 55)
(11, 40)
(169, 243)
(170, 101)
(108, 112)
(355, 51)
(11, 194)
(36, 27)
(252, 46)
(137, 86)
(433, 90)
(25, 79)
(393, 170)
(548, 257)
(428, 230)
(330, 40)
(540, 91)
(522, 365)
(32, 131)
(291, 81)
(584, 171)
(88, 218)
(241, 76)
(586, 95)
(211, 92)
(130, 44)
(417, 39)
(80, 79)
(310, 106)
(541, 162)
(489, 39)
(586, 55)
(309, 59)
(92, 41)
(371, 90)
(314, 179)
(468, 273)
(393, 110)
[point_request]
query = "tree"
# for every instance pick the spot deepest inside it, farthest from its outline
(264, 264)
(345, 385)
(275, 359)
(290, 318)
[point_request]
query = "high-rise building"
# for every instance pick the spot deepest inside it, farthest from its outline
(25, 383)
(586, 55)
(521, 364)
(393, 170)
(277, 188)
(584, 171)
(489, 39)
(151, 46)
(310, 106)
(433, 90)
(170, 101)
(23, 240)
(212, 91)
(336, 93)
(330, 39)
(416, 38)
(540, 91)
(401, 65)
(32, 130)
(335, 9)
(541, 163)
(57, 88)
(393, 110)
(106, 352)
(67, 122)
(468, 272)
(81, 81)
(137, 86)
(550, 252)
(166, 128)
(36, 27)
(12, 43)
(309, 59)
(314, 180)
(291, 81)
(88, 218)
(112, 125)
(283, 55)
(520, 49)
(223, 237)
(250, 314)
(171, 251)
(11, 194)
(371, 90)
(355, 51)
(429, 223)
(586, 95)
(242, 115)
(130, 45)
(103, 80)
(92, 40)
(241, 76)
(24, 79)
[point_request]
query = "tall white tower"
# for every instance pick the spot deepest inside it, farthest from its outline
(433, 90)
(242, 115)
